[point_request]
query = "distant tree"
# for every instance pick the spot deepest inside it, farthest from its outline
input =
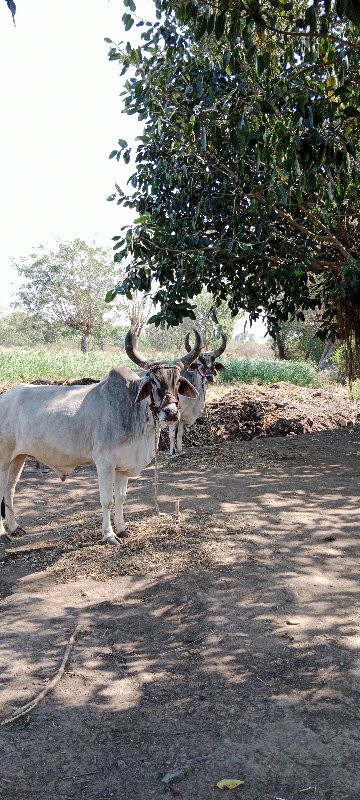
(137, 311)
(298, 340)
(67, 286)
(18, 329)
(208, 321)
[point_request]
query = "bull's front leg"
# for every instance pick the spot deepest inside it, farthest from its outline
(179, 438)
(121, 482)
(172, 435)
(106, 478)
(14, 472)
(3, 480)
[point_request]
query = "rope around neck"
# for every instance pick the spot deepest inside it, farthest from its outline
(156, 466)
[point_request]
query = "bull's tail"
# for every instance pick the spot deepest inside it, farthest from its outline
(3, 508)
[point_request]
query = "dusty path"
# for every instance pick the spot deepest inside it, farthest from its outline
(225, 647)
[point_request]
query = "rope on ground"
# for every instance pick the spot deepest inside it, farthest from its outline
(49, 686)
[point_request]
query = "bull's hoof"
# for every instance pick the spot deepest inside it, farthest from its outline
(111, 538)
(5, 538)
(19, 531)
(123, 534)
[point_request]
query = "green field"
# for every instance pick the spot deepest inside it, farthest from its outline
(301, 373)
(18, 365)
(21, 366)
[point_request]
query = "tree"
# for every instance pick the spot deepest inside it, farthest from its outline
(67, 286)
(247, 171)
(297, 340)
(18, 329)
(137, 311)
(209, 325)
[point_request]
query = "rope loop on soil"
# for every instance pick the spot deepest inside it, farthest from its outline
(48, 688)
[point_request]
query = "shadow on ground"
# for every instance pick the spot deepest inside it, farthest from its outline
(247, 669)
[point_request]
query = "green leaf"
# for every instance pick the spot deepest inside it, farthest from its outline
(262, 62)
(220, 23)
(201, 28)
(349, 9)
(110, 296)
(154, 319)
(351, 148)
(281, 194)
(351, 111)
(128, 21)
(143, 218)
(311, 17)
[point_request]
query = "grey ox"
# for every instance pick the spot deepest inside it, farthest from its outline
(110, 424)
(200, 373)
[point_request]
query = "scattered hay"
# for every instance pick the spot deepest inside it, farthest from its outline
(157, 545)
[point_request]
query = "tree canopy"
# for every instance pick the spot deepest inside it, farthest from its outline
(246, 178)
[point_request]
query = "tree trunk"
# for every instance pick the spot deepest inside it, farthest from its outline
(328, 350)
(85, 343)
(281, 347)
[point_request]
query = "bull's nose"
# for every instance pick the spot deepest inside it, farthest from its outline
(171, 413)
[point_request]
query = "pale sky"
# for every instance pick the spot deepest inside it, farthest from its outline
(61, 117)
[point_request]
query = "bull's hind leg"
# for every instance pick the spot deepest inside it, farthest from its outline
(121, 482)
(14, 472)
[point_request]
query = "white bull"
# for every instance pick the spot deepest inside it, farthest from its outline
(110, 424)
(200, 373)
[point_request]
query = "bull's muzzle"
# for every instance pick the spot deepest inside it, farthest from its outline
(169, 414)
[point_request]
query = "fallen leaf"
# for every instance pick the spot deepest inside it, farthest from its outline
(292, 622)
(229, 783)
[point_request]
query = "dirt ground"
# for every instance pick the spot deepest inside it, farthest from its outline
(224, 644)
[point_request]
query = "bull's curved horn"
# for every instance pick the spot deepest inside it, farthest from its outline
(193, 354)
(221, 348)
(187, 343)
(130, 344)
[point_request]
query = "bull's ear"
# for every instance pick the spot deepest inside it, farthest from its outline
(219, 367)
(186, 388)
(144, 391)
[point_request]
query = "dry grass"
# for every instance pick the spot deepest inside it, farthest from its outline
(157, 545)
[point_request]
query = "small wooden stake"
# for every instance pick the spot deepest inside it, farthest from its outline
(177, 512)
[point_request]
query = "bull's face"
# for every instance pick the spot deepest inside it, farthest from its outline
(163, 385)
(207, 367)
